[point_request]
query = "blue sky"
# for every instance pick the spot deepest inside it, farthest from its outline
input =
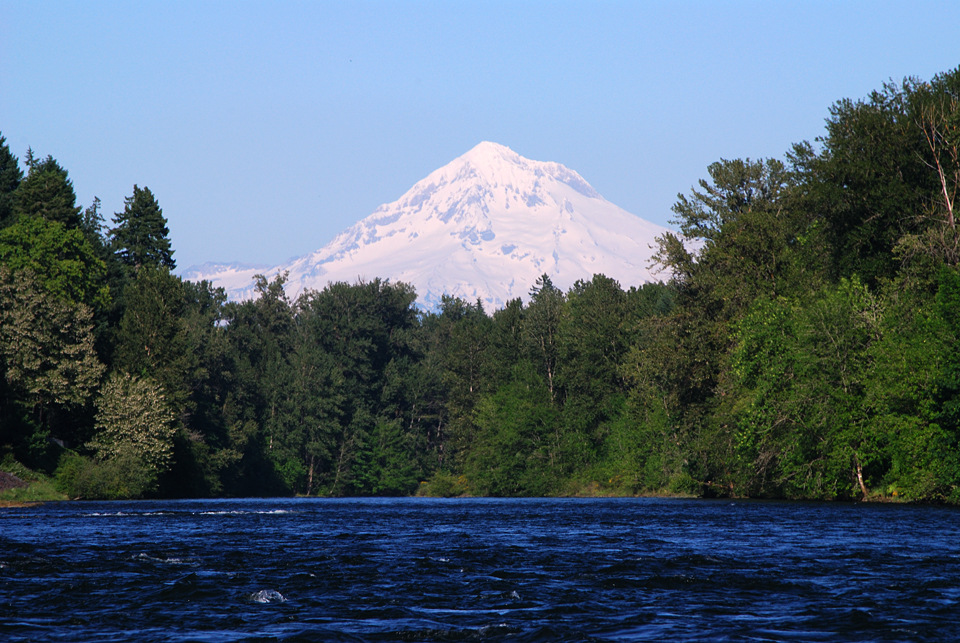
(264, 129)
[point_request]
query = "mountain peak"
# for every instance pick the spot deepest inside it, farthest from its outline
(496, 166)
(483, 226)
(486, 152)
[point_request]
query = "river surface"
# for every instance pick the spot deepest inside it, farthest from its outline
(478, 569)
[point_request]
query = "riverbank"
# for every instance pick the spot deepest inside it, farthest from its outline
(22, 487)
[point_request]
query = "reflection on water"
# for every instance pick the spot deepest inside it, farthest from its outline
(478, 569)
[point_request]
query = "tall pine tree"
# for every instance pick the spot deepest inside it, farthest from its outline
(141, 236)
(10, 177)
(47, 192)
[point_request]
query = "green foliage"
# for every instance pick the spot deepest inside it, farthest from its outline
(805, 346)
(541, 327)
(151, 338)
(876, 179)
(443, 484)
(388, 468)
(119, 478)
(141, 236)
(41, 491)
(47, 193)
(46, 345)
(913, 388)
(333, 382)
(800, 373)
(39, 488)
(465, 366)
(62, 259)
(365, 330)
(134, 422)
(517, 449)
(10, 177)
(736, 188)
(593, 338)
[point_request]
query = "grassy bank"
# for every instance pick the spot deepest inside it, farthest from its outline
(38, 487)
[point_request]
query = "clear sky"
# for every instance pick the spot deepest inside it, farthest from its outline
(265, 128)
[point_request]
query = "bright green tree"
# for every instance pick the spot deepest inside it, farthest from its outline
(801, 377)
(517, 448)
(61, 258)
(912, 393)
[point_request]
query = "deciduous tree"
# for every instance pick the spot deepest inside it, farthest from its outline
(46, 345)
(134, 420)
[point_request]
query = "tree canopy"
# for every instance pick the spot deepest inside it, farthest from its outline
(805, 343)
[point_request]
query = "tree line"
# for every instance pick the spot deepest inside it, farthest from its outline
(803, 344)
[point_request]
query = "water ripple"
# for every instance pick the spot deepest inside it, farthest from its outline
(478, 570)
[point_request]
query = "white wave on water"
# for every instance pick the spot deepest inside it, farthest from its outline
(166, 561)
(113, 514)
(267, 596)
(241, 513)
(109, 514)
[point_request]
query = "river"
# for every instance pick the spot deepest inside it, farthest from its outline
(478, 569)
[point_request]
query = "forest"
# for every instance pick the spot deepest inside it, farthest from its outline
(803, 344)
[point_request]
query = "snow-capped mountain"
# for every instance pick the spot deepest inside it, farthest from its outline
(224, 271)
(484, 226)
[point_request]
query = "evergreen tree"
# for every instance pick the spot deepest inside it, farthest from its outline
(47, 193)
(141, 236)
(10, 178)
(366, 330)
(151, 338)
(592, 342)
(460, 337)
(517, 444)
(259, 333)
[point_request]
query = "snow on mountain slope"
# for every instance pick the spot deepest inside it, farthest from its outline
(484, 226)
(238, 275)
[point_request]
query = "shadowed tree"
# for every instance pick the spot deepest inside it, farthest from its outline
(47, 193)
(151, 337)
(141, 236)
(46, 351)
(10, 178)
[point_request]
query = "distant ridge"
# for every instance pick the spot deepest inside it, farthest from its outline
(196, 273)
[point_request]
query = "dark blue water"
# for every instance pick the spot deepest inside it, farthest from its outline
(464, 570)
